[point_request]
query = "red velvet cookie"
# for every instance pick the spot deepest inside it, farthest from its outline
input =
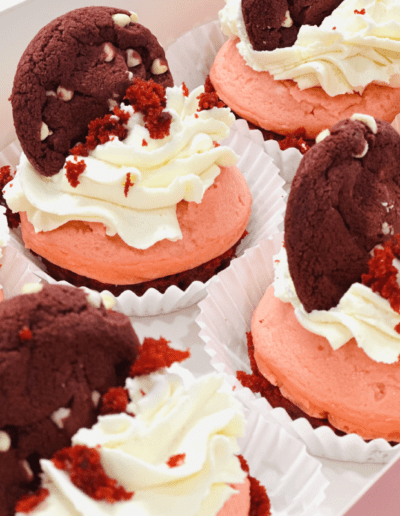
(72, 72)
(274, 24)
(343, 202)
(58, 354)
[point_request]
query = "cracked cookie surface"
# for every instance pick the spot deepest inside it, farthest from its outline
(344, 200)
(72, 72)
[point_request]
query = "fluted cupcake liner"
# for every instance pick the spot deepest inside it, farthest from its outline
(266, 187)
(225, 318)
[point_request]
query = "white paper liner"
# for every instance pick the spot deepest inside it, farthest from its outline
(266, 187)
(293, 479)
(225, 319)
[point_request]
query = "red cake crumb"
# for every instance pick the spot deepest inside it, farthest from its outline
(144, 143)
(382, 274)
(209, 98)
(74, 170)
(176, 460)
(29, 502)
(13, 219)
(128, 184)
(185, 89)
(86, 472)
(154, 355)
(25, 333)
(114, 401)
(259, 501)
(356, 11)
(149, 98)
(296, 141)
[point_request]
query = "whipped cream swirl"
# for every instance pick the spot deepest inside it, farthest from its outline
(348, 51)
(4, 230)
(199, 420)
(160, 173)
(361, 313)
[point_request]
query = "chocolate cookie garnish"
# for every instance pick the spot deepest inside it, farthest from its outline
(75, 69)
(274, 24)
(59, 352)
(344, 200)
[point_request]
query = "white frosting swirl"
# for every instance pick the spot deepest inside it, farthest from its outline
(361, 313)
(178, 167)
(344, 54)
(199, 420)
(4, 230)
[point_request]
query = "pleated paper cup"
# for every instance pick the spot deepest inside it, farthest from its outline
(293, 479)
(266, 187)
(225, 319)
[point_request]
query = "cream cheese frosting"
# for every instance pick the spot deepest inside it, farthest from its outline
(348, 51)
(4, 230)
(361, 313)
(197, 418)
(161, 172)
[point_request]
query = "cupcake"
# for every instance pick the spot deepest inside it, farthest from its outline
(323, 343)
(49, 383)
(294, 71)
(193, 469)
(148, 198)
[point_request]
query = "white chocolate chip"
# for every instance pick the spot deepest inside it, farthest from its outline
(322, 135)
(121, 19)
(385, 228)
(108, 301)
(64, 94)
(130, 75)
(5, 441)
(368, 120)
(287, 20)
(159, 66)
(133, 58)
(93, 298)
(96, 398)
(109, 51)
(44, 131)
(134, 17)
(28, 470)
(31, 288)
(363, 153)
(59, 415)
(51, 93)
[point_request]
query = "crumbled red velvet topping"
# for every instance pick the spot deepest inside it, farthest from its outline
(128, 184)
(144, 143)
(86, 472)
(101, 130)
(209, 100)
(295, 140)
(149, 98)
(259, 501)
(333, 28)
(176, 460)
(382, 274)
(6, 176)
(25, 333)
(114, 401)
(73, 170)
(154, 355)
(29, 502)
(216, 144)
(185, 89)
(356, 11)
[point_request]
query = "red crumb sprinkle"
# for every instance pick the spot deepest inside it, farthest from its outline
(295, 140)
(128, 184)
(176, 460)
(382, 274)
(259, 501)
(216, 144)
(25, 333)
(209, 98)
(149, 98)
(144, 143)
(29, 502)
(155, 354)
(114, 401)
(86, 472)
(196, 115)
(102, 130)
(74, 170)
(185, 89)
(356, 11)
(333, 28)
